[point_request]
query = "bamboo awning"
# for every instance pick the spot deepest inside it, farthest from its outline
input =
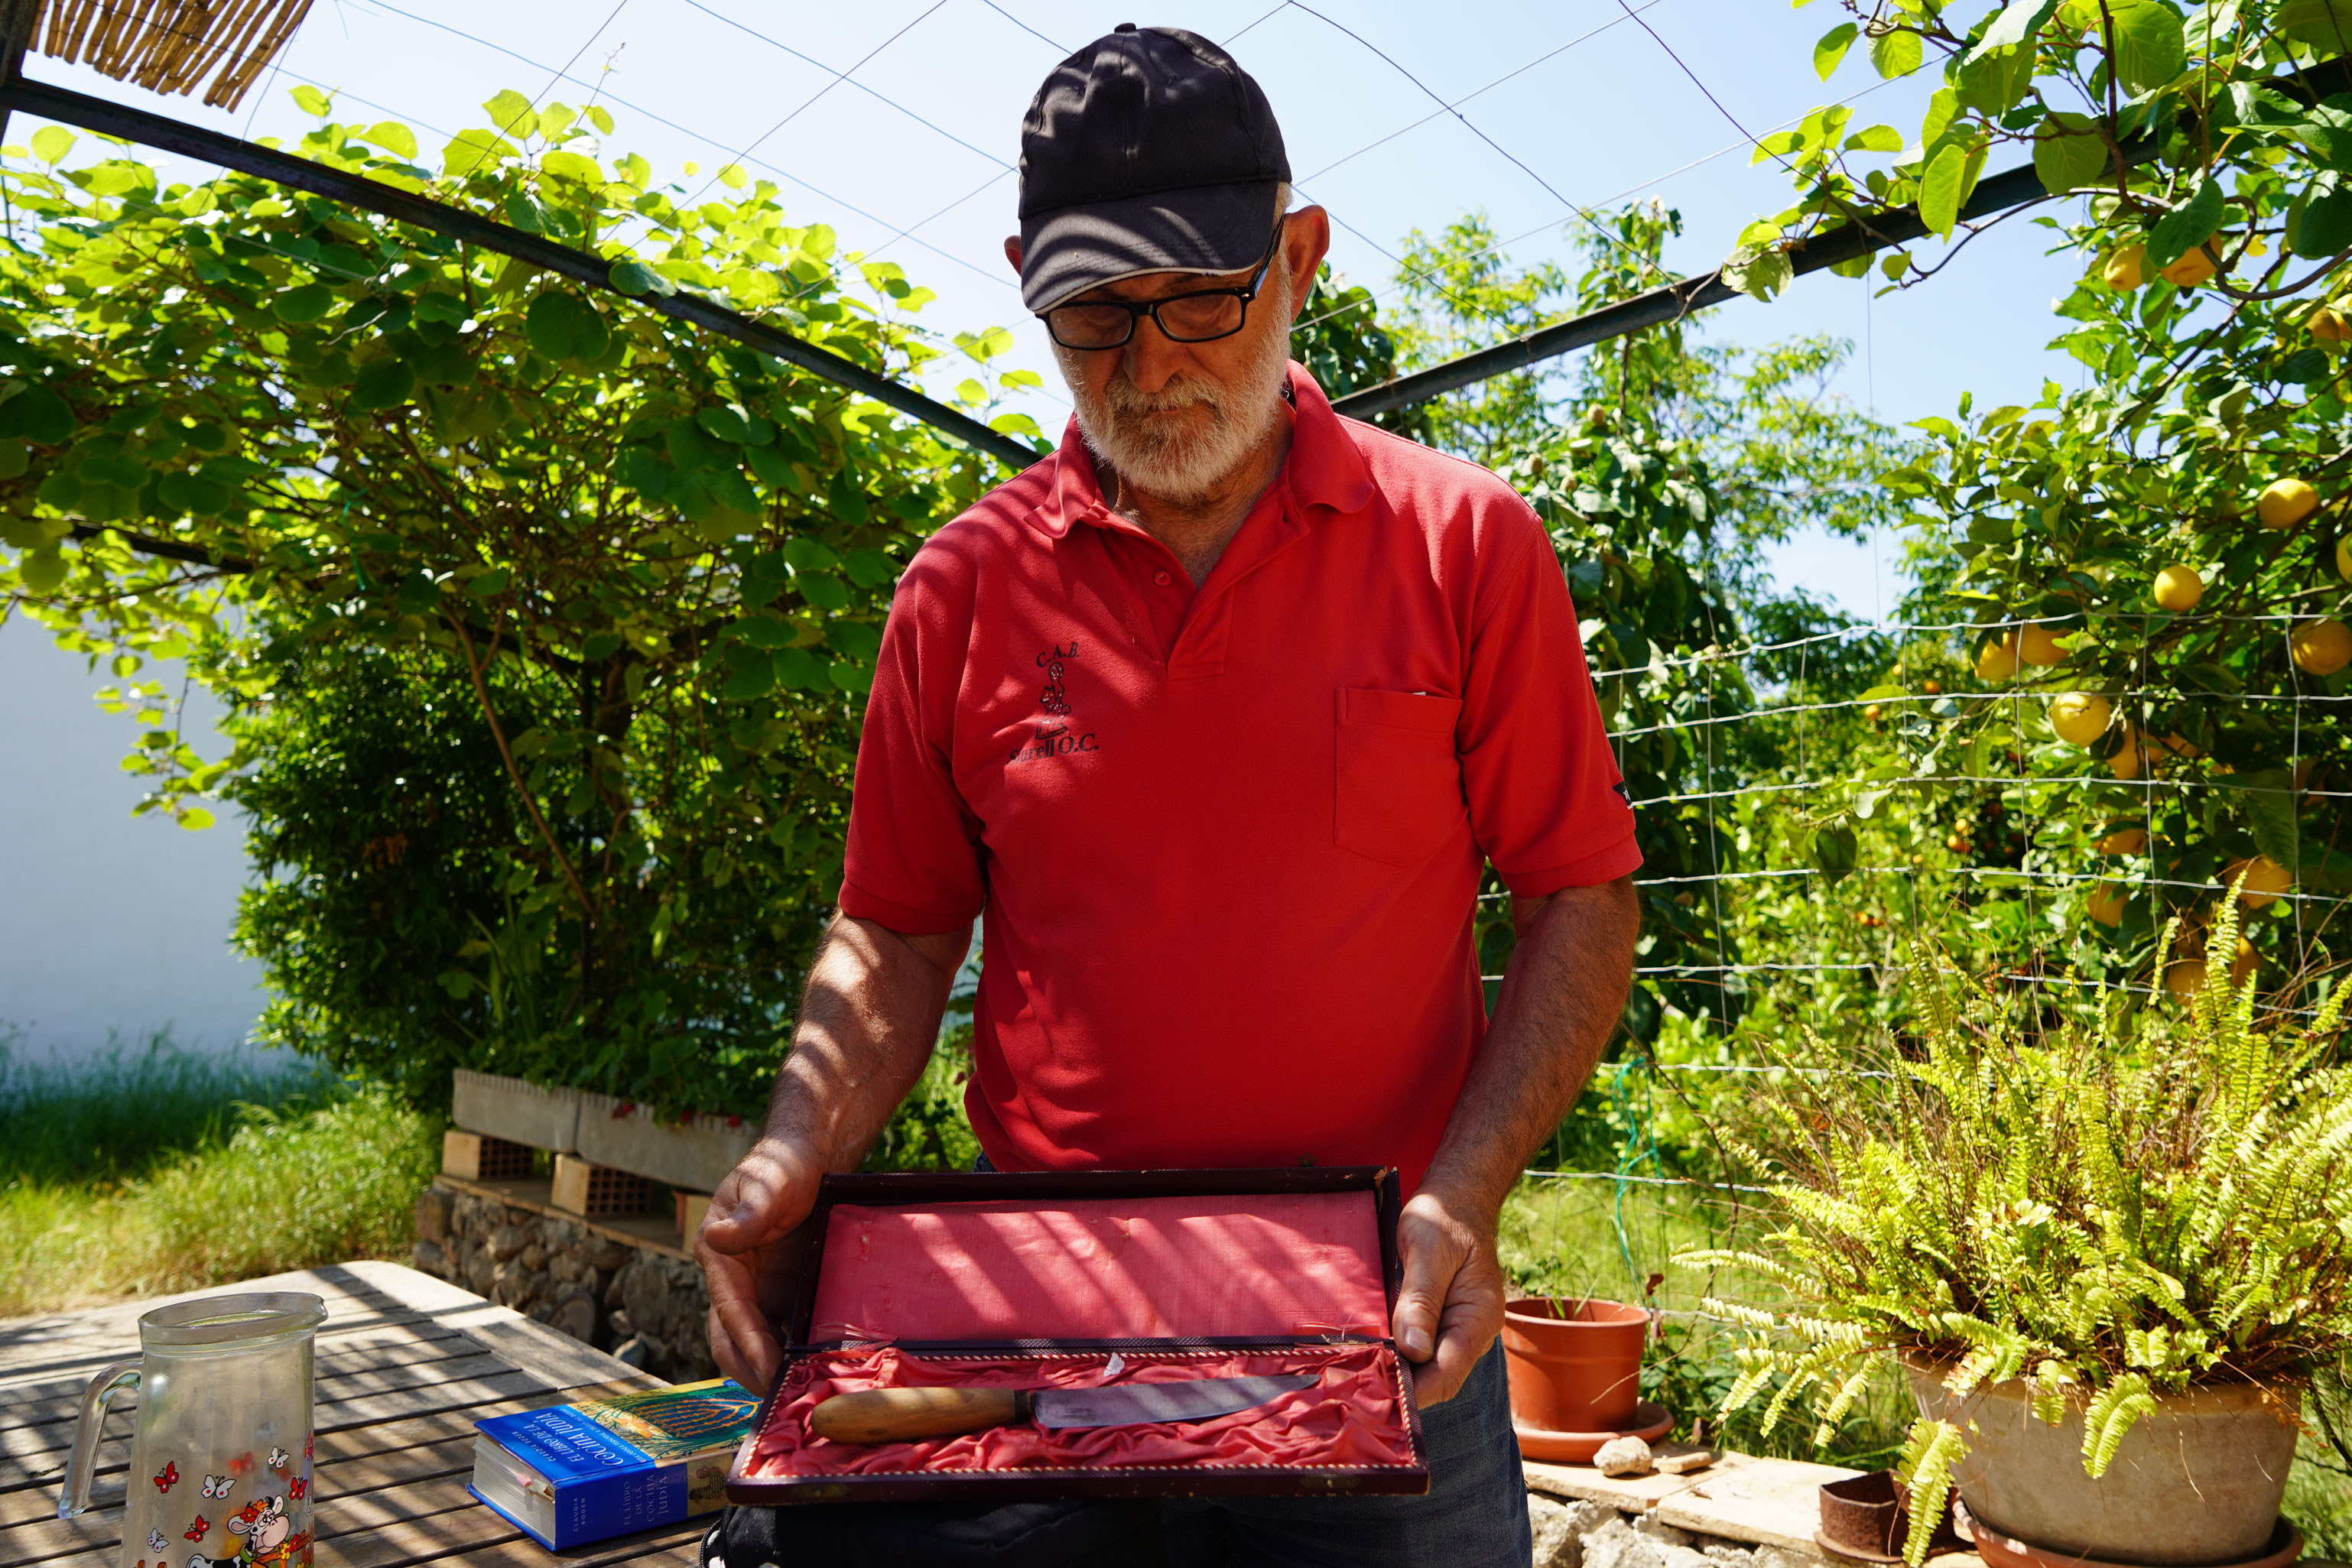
(165, 46)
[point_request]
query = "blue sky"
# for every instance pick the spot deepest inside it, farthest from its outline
(909, 153)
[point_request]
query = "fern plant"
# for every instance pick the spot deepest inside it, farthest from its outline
(2110, 1204)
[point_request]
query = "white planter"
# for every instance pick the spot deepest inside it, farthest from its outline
(695, 1155)
(518, 1111)
(2199, 1480)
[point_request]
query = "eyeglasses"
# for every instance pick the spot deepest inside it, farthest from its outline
(1202, 316)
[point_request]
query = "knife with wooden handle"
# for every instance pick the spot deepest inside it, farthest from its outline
(903, 1415)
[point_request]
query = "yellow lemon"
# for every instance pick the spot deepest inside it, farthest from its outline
(2127, 269)
(2079, 718)
(2125, 842)
(2322, 647)
(2327, 324)
(2039, 646)
(2132, 760)
(2344, 558)
(2265, 880)
(2178, 588)
(2191, 269)
(2285, 503)
(1996, 662)
(2184, 977)
(2243, 963)
(2106, 903)
(2179, 745)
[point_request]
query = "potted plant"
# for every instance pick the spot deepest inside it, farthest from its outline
(1575, 1365)
(2110, 1246)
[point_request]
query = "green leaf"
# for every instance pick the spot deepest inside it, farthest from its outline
(491, 583)
(2151, 47)
(2325, 229)
(1943, 188)
(723, 424)
(1832, 48)
(470, 151)
(512, 113)
(731, 175)
(1875, 139)
(195, 818)
(809, 555)
(308, 303)
(2185, 227)
(2066, 154)
(601, 118)
(1897, 54)
(380, 384)
(40, 415)
(824, 592)
(2270, 812)
(392, 136)
(869, 567)
(1759, 272)
(562, 326)
(43, 570)
(846, 496)
(571, 166)
(51, 143)
(1835, 851)
(2325, 24)
(310, 100)
(2016, 24)
(632, 276)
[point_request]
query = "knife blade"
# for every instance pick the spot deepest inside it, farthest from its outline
(899, 1415)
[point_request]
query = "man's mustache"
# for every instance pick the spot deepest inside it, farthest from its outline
(1124, 397)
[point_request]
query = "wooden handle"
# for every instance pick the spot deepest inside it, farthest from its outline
(900, 1415)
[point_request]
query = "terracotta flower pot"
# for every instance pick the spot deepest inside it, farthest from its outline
(2198, 1481)
(1575, 1365)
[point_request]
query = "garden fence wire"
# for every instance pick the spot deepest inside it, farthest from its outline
(1799, 948)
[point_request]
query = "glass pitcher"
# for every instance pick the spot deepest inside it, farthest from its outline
(220, 1452)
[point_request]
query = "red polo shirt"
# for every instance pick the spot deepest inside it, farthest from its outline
(1227, 839)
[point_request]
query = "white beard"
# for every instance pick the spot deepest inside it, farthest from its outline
(1184, 462)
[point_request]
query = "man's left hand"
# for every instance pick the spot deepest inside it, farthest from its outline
(1451, 1306)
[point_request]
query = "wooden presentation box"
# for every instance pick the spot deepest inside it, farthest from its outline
(1083, 1279)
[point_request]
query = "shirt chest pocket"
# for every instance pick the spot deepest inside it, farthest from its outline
(1400, 782)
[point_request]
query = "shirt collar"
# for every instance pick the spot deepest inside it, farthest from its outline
(1323, 469)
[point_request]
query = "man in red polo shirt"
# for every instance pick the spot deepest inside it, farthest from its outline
(1217, 715)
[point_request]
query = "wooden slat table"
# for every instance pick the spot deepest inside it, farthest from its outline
(405, 1365)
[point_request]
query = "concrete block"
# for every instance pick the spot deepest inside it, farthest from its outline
(695, 1153)
(518, 1111)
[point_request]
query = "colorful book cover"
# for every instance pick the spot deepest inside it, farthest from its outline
(572, 1474)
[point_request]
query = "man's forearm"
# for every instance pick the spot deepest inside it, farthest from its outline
(868, 1021)
(1562, 993)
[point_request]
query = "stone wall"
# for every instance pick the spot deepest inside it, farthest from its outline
(646, 1305)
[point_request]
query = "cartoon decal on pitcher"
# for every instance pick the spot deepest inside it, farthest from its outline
(269, 1539)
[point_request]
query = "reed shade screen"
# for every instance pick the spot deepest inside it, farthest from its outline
(169, 45)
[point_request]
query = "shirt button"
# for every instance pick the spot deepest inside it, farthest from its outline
(1163, 579)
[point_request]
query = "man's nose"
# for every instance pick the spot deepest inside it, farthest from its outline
(1150, 358)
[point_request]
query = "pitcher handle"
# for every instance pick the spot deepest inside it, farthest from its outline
(80, 1468)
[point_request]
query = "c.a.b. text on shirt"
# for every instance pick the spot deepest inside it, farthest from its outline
(1053, 738)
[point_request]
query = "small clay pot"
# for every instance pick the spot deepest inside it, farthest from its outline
(1575, 1363)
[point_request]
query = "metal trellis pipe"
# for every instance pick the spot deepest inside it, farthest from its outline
(161, 131)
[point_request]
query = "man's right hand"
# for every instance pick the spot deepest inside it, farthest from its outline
(749, 1248)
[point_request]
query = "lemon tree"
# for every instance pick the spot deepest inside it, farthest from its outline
(2154, 562)
(543, 621)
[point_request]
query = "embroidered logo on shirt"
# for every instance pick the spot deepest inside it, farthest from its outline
(1054, 740)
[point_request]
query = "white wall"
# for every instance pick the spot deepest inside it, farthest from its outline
(110, 924)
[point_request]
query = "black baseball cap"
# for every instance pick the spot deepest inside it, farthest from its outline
(1148, 151)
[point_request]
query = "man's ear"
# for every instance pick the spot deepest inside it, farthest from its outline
(1013, 249)
(1306, 240)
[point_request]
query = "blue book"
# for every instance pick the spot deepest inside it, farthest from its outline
(572, 1474)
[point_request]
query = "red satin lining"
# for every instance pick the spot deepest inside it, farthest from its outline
(1353, 1416)
(1266, 1266)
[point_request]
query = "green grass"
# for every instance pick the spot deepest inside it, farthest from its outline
(158, 1170)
